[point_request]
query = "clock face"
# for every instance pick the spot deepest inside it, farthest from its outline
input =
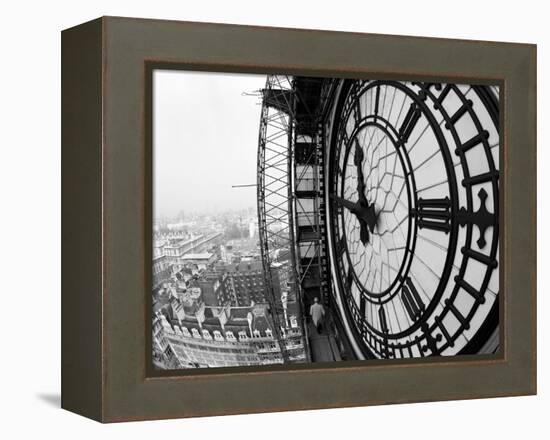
(413, 216)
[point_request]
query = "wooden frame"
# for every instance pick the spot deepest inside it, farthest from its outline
(106, 195)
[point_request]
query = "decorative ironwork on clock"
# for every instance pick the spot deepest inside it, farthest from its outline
(413, 215)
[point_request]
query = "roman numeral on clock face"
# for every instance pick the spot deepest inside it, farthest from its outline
(411, 300)
(383, 319)
(362, 305)
(410, 121)
(433, 214)
(356, 110)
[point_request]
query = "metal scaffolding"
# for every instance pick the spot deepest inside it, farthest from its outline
(291, 190)
(309, 189)
(275, 192)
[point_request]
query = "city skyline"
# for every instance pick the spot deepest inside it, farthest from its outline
(214, 304)
(186, 213)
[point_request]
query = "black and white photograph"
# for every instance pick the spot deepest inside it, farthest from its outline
(307, 220)
(255, 220)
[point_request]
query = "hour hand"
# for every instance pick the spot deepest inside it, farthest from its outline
(364, 211)
(359, 211)
(352, 206)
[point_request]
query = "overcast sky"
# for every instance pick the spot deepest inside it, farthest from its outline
(205, 140)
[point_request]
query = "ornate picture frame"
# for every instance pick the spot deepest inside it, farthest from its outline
(107, 196)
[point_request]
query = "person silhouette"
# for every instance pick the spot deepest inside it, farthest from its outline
(317, 312)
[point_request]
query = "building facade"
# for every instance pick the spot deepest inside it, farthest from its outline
(162, 270)
(191, 334)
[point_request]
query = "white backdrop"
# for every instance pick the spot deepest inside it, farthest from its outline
(30, 220)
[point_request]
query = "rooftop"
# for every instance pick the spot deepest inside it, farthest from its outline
(199, 256)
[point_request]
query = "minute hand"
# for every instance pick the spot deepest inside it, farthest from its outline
(367, 212)
(358, 160)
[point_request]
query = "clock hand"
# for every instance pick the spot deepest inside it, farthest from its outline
(363, 211)
(363, 232)
(352, 206)
(362, 214)
(358, 161)
(369, 215)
